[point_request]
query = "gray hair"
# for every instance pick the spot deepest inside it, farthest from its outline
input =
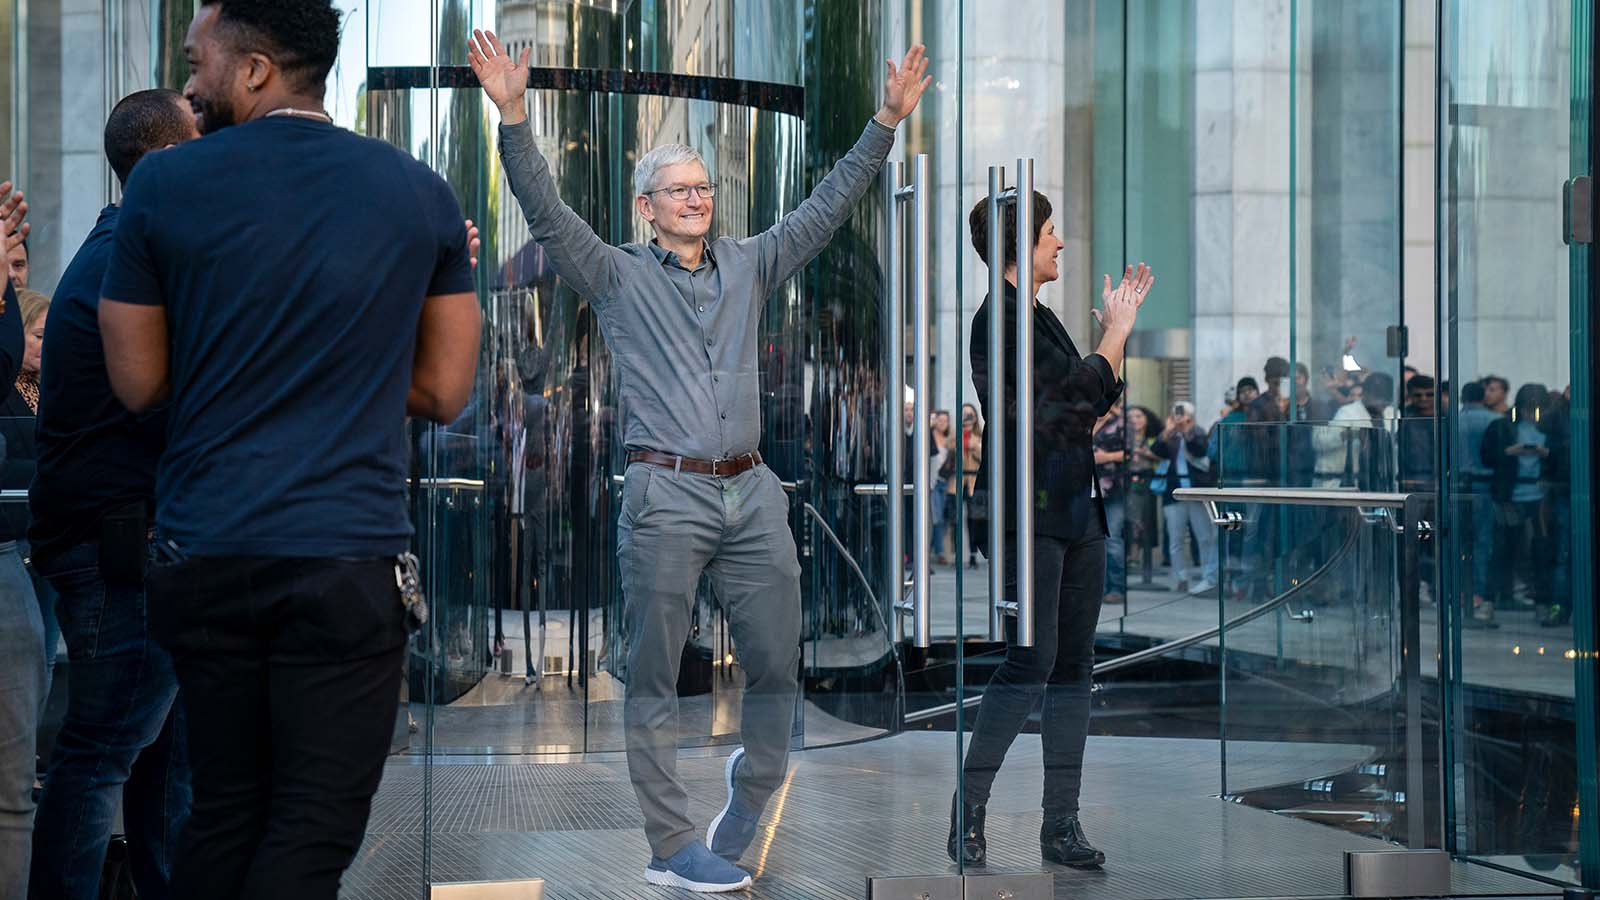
(650, 165)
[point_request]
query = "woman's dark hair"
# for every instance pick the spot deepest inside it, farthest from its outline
(1531, 398)
(301, 37)
(978, 223)
(1152, 424)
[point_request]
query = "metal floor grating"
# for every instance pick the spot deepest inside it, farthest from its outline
(882, 808)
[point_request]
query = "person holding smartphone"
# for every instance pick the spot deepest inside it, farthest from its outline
(1515, 450)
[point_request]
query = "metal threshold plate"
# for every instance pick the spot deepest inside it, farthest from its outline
(525, 889)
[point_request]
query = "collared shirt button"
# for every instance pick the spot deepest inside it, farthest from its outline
(724, 416)
(709, 342)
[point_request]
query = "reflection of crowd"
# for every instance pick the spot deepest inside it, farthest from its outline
(1513, 464)
(1517, 463)
(954, 458)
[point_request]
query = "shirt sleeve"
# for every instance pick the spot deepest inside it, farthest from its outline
(453, 273)
(132, 275)
(10, 338)
(590, 265)
(799, 236)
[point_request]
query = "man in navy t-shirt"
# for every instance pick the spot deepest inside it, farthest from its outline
(91, 498)
(292, 291)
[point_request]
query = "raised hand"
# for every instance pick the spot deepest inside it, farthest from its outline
(13, 208)
(504, 79)
(1122, 302)
(903, 86)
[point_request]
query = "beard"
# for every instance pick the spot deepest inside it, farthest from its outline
(213, 115)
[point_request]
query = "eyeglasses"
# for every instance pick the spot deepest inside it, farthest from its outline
(680, 192)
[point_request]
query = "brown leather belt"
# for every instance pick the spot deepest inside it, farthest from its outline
(721, 468)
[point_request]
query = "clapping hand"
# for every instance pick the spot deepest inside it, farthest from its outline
(503, 78)
(1122, 303)
(472, 242)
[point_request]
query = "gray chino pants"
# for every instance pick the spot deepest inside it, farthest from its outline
(673, 526)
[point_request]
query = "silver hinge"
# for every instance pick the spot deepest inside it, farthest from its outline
(1577, 210)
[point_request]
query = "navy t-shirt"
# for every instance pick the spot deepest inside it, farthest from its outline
(94, 456)
(292, 258)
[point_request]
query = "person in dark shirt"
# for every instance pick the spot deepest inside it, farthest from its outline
(121, 740)
(1417, 434)
(22, 675)
(292, 292)
(1518, 449)
(1556, 423)
(1070, 392)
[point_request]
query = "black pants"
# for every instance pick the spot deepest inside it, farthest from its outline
(1068, 586)
(290, 672)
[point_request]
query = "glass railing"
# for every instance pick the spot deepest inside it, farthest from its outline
(1319, 628)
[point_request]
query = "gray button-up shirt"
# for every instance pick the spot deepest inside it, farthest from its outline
(685, 343)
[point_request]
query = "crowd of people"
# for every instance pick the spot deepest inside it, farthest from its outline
(1513, 469)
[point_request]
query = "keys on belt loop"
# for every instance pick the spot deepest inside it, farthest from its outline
(408, 579)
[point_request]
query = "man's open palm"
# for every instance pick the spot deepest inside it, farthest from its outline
(904, 84)
(503, 78)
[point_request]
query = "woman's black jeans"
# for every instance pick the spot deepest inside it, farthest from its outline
(1059, 667)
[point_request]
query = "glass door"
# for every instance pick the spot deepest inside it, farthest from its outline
(1515, 123)
(519, 688)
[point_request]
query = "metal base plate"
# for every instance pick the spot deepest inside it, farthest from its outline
(1397, 873)
(1015, 886)
(525, 889)
(915, 887)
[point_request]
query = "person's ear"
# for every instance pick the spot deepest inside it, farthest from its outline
(258, 72)
(642, 204)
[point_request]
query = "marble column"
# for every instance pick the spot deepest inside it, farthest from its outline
(1240, 206)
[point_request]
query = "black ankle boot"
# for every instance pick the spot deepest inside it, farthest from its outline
(967, 847)
(1062, 841)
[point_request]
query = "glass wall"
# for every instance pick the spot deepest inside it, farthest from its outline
(1514, 124)
(1317, 223)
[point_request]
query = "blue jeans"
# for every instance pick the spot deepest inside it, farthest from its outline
(939, 501)
(1482, 507)
(22, 680)
(1558, 502)
(1116, 546)
(123, 737)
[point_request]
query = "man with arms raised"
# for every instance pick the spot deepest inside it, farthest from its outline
(293, 292)
(682, 317)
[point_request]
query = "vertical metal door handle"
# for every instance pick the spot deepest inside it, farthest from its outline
(895, 388)
(995, 428)
(1024, 498)
(921, 471)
